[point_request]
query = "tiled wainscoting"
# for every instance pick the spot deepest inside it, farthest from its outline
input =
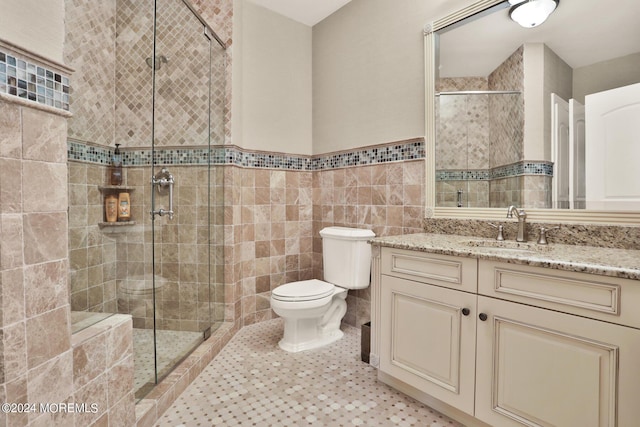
(273, 215)
(42, 362)
(103, 372)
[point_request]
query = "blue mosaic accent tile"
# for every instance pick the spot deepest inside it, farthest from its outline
(30, 81)
(273, 161)
(221, 155)
(89, 153)
(466, 175)
(516, 169)
(370, 156)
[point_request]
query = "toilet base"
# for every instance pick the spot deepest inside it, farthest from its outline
(321, 328)
(311, 344)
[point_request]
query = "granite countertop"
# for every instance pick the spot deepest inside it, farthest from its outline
(623, 263)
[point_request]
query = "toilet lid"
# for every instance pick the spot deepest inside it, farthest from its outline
(305, 290)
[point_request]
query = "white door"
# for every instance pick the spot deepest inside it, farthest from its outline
(613, 149)
(577, 138)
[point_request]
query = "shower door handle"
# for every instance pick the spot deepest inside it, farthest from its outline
(162, 180)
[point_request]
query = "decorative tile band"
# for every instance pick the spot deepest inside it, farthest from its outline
(468, 175)
(406, 150)
(81, 152)
(24, 79)
(232, 155)
(515, 169)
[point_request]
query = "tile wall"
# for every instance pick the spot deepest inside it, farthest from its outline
(36, 345)
(38, 349)
(507, 111)
(274, 212)
(92, 253)
(103, 373)
(387, 198)
(277, 216)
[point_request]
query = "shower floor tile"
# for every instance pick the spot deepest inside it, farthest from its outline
(252, 382)
(172, 346)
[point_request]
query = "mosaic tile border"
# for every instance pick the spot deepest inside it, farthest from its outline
(406, 150)
(232, 155)
(28, 80)
(515, 169)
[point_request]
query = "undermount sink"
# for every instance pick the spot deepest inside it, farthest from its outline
(507, 246)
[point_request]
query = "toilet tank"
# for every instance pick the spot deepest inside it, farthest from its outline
(346, 256)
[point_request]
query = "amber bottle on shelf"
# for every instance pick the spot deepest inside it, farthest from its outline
(111, 208)
(124, 207)
(116, 167)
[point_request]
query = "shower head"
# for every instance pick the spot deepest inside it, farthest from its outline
(157, 64)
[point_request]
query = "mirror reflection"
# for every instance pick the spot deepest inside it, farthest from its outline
(540, 117)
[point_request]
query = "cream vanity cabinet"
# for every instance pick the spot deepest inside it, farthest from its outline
(508, 344)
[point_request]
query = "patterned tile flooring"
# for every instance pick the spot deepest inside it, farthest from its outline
(171, 346)
(252, 382)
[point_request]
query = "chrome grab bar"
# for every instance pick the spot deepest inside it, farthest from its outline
(162, 180)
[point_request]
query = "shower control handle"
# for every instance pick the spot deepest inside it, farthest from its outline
(161, 180)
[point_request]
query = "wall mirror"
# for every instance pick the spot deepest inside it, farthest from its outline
(507, 113)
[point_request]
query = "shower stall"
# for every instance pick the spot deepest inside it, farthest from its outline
(479, 138)
(164, 264)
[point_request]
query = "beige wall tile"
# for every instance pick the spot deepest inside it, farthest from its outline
(11, 241)
(45, 287)
(48, 336)
(58, 371)
(10, 185)
(38, 225)
(15, 352)
(89, 360)
(10, 130)
(13, 303)
(44, 136)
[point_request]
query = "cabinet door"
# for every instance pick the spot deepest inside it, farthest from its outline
(537, 367)
(427, 340)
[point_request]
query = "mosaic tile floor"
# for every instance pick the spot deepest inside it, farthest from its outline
(252, 382)
(172, 346)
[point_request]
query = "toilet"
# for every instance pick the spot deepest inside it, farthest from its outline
(313, 309)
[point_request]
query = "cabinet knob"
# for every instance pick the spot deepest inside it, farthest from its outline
(466, 311)
(483, 316)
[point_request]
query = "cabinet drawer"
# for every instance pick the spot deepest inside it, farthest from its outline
(442, 270)
(584, 294)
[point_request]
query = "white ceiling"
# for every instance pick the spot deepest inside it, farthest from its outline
(308, 12)
(581, 32)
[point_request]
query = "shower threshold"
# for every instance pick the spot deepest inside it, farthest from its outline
(173, 346)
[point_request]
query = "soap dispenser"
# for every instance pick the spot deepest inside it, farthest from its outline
(116, 167)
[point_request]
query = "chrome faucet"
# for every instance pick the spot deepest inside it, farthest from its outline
(522, 222)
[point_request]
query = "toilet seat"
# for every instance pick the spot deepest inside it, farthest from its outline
(305, 290)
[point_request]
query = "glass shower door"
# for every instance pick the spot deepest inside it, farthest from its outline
(180, 184)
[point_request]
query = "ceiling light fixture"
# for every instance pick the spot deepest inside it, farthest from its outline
(531, 13)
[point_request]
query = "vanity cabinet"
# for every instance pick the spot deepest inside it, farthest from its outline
(431, 336)
(428, 324)
(505, 344)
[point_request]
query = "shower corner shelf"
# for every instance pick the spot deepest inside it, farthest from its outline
(114, 188)
(115, 224)
(110, 189)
